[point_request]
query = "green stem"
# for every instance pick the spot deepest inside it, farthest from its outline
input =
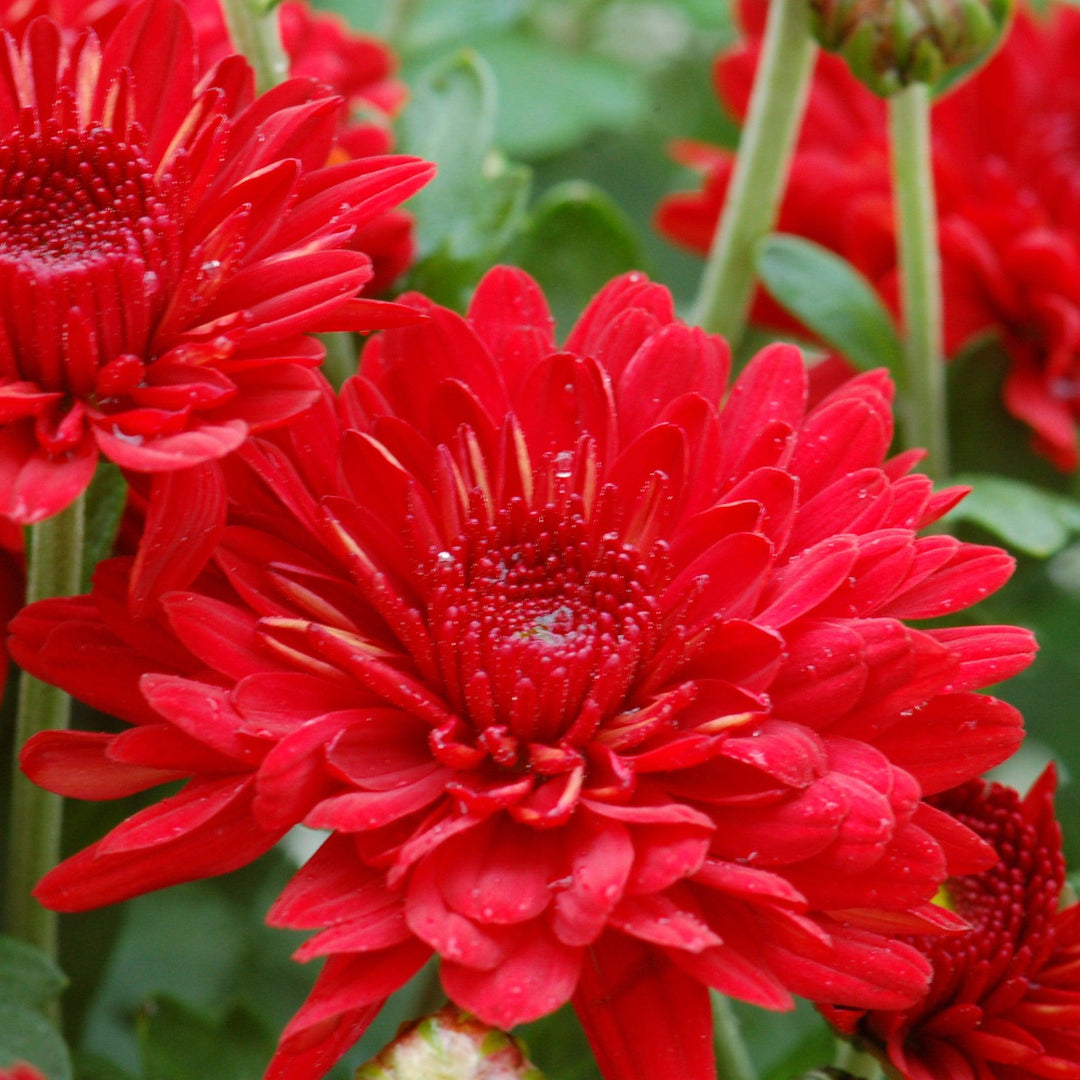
(258, 37)
(757, 183)
(396, 20)
(732, 1057)
(55, 569)
(920, 277)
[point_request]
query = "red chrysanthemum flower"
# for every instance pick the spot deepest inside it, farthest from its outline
(603, 689)
(164, 247)
(1006, 151)
(1004, 1003)
(361, 69)
(21, 1071)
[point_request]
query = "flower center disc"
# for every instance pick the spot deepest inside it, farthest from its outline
(86, 246)
(541, 626)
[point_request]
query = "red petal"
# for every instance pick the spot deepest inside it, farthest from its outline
(74, 764)
(537, 977)
(184, 523)
(225, 841)
(207, 442)
(953, 738)
(644, 1017)
(601, 854)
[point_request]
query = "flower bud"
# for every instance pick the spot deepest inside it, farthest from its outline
(891, 43)
(451, 1045)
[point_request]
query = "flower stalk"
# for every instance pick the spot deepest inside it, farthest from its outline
(757, 184)
(732, 1057)
(257, 34)
(923, 411)
(55, 569)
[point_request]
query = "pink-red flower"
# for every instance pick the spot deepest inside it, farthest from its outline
(21, 1071)
(1006, 150)
(361, 69)
(596, 669)
(165, 244)
(1004, 1003)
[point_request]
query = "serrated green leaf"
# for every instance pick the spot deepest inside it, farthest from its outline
(1026, 518)
(451, 121)
(27, 976)
(476, 203)
(832, 298)
(576, 241)
(25, 1035)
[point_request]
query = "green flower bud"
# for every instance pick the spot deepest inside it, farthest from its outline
(891, 43)
(451, 1045)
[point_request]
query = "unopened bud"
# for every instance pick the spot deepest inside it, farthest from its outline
(451, 1045)
(889, 44)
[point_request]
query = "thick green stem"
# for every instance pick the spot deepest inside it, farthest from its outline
(732, 1057)
(55, 569)
(258, 37)
(757, 184)
(923, 411)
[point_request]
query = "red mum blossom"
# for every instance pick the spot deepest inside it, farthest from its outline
(604, 690)
(1004, 1003)
(21, 1071)
(361, 69)
(1006, 151)
(164, 247)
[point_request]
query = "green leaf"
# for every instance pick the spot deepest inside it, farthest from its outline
(1026, 518)
(89, 1067)
(552, 98)
(784, 1044)
(29, 980)
(577, 240)
(27, 976)
(558, 1046)
(105, 499)
(25, 1035)
(476, 203)
(178, 1043)
(832, 298)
